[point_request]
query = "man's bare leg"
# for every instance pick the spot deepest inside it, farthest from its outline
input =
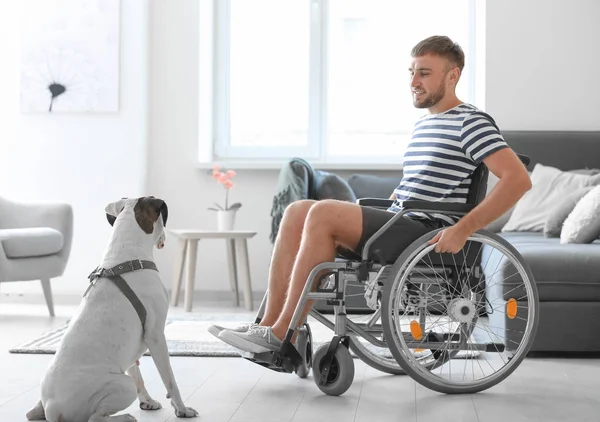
(329, 223)
(285, 250)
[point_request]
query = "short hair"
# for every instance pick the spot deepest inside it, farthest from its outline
(442, 46)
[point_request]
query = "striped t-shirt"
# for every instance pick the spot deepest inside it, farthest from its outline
(444, 151)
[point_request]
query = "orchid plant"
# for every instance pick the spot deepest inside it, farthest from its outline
(224, 177)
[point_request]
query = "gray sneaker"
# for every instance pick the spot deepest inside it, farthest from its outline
(215, 330)
(257, 339)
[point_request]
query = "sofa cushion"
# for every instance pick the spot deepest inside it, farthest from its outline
(332, 186)
(548, 187)
(583, 224)
(496, 225)
(31, 242)
(559, 214)
(371, 186)
(562, 272)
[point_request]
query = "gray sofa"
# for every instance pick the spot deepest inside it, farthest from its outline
(567, 275)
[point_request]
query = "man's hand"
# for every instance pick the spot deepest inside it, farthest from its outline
(451, 239)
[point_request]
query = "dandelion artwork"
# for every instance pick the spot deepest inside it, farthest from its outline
(224, 177)
(70, 56)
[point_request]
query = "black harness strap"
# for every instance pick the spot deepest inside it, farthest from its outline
(114, 275)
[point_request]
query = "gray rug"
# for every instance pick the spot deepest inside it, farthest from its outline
(187, 335)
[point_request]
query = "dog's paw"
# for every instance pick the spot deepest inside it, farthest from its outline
(150, 404)
(186, 412)
(128, 418)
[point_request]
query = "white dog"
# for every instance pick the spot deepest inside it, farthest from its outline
(87, 380)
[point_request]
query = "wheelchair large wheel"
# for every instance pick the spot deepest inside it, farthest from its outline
(441, 302)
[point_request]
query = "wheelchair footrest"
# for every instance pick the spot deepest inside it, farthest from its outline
(271, 360)
(286, 360)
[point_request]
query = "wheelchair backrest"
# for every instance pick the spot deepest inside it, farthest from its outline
(478, 188)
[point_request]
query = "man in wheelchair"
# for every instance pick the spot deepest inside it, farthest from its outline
(447, 146)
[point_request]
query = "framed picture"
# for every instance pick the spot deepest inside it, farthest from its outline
(70, 56)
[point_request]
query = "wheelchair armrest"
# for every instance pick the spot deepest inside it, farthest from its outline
(375, 202)
(442, 207)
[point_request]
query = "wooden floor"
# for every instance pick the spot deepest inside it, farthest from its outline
(233, 389)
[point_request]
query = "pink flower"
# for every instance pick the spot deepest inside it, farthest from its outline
(224, 177)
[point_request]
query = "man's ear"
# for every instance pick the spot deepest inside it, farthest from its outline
(113, 209)
(455, 75)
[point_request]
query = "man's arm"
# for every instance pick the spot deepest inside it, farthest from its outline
(513, 184)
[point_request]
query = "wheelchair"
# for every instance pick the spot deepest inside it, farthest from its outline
(455, 323)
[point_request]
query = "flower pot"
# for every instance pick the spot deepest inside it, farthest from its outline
(225, 220)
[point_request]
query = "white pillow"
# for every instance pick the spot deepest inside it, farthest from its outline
(548, 186)
(583, 223)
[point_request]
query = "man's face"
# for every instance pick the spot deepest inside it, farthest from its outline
(428, 80)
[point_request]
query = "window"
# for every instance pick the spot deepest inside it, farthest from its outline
(326, 80)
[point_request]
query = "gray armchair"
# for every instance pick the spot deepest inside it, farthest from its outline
(35, 242)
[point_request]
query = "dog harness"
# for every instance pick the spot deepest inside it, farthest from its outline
(114, 274)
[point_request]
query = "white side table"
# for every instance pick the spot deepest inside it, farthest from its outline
(237, 251)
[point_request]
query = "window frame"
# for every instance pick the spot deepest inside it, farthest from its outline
(214, 130)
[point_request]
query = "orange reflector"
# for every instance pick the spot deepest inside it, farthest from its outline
(419, 350)
(415, 330)
(511, 308)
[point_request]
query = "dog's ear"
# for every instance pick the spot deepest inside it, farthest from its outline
(161, 208)
(111, 219)
(147, 210)
(113, 209)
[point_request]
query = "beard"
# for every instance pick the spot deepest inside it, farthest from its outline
(431, 99)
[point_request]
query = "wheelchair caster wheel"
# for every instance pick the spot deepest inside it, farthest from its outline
(304, 346)
(341, 370)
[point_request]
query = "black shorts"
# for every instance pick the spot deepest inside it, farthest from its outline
(396, 238)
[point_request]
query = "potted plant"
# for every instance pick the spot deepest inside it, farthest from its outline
(226, 213)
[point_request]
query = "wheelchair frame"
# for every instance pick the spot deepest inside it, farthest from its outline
(289, 359)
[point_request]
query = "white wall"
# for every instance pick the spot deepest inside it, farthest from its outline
(87, 160)
(541, 60)
(542, 64)
(541, 74)
(172, 164)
